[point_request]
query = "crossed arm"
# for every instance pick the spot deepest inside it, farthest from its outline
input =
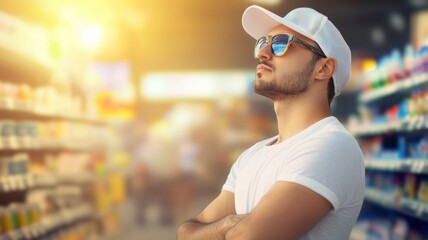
(213, 222)
(287, 211)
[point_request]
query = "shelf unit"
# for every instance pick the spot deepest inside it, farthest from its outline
(50, 223)
(403, 205)
(407, 125)
(30, 181)
(70, 200)
(382, 139)
(399, 87)
(25, 110)
(416, 166)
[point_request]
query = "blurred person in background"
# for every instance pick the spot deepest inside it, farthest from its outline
(308, 181)
(155, 173)
(185, 184)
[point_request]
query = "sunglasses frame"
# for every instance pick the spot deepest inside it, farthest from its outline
(270, 39)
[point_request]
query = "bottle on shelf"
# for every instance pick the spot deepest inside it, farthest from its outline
(408, 60)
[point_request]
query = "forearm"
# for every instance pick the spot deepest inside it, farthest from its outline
(194, 230)
(248, 230)
(236, 233)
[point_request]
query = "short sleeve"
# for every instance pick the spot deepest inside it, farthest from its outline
(329, 166)
(230, 183)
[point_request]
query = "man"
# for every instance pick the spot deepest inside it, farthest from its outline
(307, 182)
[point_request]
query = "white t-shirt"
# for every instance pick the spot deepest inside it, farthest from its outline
(324, 158)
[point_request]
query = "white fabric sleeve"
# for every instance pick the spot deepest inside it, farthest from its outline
(229, 185)
(326, 165)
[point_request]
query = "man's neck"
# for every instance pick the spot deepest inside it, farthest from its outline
(296, 114)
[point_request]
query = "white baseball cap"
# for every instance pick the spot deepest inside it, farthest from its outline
(257, 22)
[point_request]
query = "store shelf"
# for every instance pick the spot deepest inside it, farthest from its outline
(410, 124)
(25, 182)
(403, 205)
(54, 149)
(28, 110)
(16, 183)
(417, 166)
(29, 70)
(376, 128)
(394, 88)
(52, 222)
(67, 216)
(12, 145)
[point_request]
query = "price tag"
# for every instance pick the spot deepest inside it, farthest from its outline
(19, 182)
(6, 184)
(9, 103)
(420, 122)
(2, 185)
(29, 179)
(424, 166)
(412, 123)
(426, 122)
(420, 210)
(12, 183)
(420, 166)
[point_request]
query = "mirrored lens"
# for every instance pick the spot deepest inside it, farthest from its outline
(259, 45)
(279, 44)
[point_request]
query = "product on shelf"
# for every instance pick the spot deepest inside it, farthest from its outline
(51, 134)
(14, 172)
(395, 67)
(401, 192)
(381, 228)
(409, 189)
(421, 60)
(30, 221)
(408, 60)
(21, 221)
(41, 100)
(423, 191)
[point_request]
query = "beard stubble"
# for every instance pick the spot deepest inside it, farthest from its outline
(288, 85)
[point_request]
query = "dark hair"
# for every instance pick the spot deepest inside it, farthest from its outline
(330, 87)
(330, 91)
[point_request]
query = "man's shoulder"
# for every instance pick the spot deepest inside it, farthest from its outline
(332, 131)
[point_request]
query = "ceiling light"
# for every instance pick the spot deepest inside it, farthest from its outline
(91, 36)
(397, 22)
(418, 3)
(377, 35)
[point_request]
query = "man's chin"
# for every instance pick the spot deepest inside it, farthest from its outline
(265, 92)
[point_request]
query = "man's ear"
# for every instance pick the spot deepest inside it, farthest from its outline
(326, 68)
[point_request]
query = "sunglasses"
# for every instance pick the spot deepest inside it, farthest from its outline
(280, 44)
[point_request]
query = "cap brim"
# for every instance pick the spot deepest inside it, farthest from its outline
(257, 22)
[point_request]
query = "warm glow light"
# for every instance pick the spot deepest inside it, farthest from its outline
(91, 36)
(267, 2)
(369, 64)
(68, 14)
(203, 85)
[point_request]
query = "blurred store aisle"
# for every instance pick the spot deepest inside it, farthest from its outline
(153, 229)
